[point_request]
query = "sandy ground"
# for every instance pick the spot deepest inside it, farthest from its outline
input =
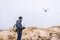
(33, 33)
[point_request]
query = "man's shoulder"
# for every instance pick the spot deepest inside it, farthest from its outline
(17, 20)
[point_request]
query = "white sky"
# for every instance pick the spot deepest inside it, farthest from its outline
(32, 12)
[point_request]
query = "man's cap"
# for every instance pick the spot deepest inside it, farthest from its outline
(20, 17)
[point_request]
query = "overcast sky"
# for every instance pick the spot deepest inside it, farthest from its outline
(32, 12)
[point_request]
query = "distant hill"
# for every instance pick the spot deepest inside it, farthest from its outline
(0, 30)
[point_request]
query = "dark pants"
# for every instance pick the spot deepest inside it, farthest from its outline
(19, 35)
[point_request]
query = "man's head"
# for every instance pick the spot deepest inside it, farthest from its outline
(20, 17)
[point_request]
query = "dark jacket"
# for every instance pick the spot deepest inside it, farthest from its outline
(19, 25)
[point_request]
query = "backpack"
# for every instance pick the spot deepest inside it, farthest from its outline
(14, 28)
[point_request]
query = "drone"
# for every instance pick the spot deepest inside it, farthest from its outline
(45, 10)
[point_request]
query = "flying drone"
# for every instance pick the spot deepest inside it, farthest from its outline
(45, 10)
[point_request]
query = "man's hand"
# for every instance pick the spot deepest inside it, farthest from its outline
(23, 27)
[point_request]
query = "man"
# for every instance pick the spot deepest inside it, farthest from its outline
(19, 27)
